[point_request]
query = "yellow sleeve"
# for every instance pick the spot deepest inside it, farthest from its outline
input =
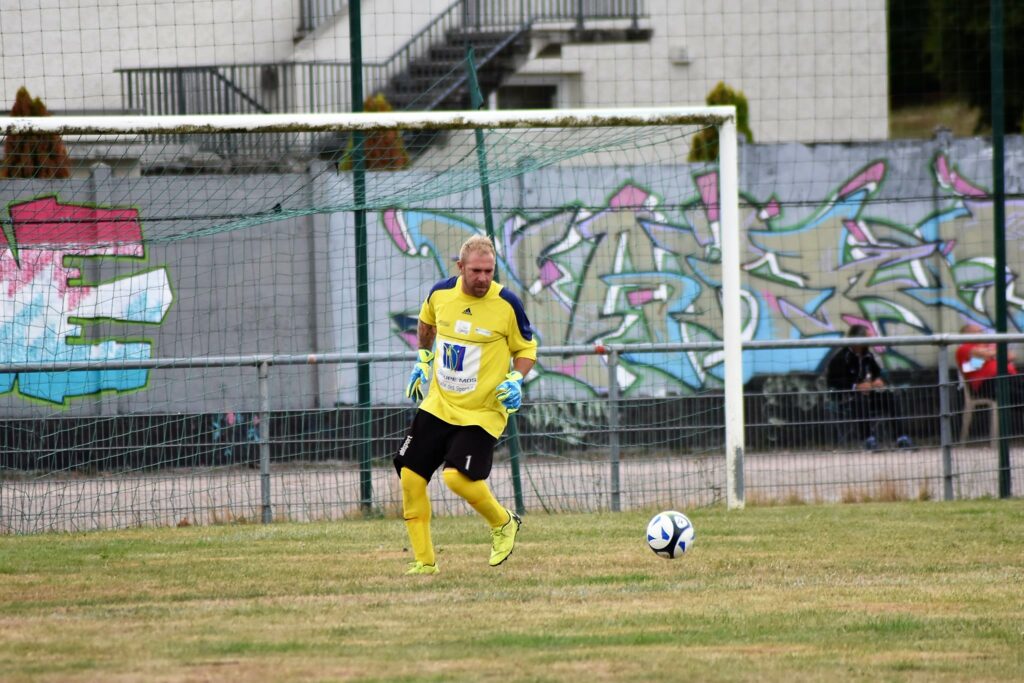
(427, 312)
(518, 344)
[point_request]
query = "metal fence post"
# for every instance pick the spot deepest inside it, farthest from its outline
(268, 515)
(945, 428)
(613, 427)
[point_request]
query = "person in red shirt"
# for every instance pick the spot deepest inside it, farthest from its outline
(977, 363)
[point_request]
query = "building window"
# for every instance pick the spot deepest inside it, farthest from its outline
(527, 97)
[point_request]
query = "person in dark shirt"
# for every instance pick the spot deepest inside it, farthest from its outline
(855, 371)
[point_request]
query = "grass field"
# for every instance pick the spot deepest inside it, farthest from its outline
(897, 591)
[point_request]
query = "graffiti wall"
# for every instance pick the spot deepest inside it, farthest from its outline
(47, 300)
(896, 235)
(643, 265)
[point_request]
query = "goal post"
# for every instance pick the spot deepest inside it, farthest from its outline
(732, 313)
(231, 236)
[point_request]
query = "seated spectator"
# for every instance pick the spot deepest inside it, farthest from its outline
(978, 365)
(855, 371)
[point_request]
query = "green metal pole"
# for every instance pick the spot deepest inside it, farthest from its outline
(362, 280)
(476, 101)
(999, 237)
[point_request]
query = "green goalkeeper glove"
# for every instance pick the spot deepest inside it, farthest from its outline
(420, 375)
(510, 392)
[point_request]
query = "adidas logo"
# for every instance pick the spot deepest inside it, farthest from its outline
(467, 312)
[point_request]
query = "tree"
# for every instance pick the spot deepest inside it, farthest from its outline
(957, 55)
(909, 84)
(383, 150)
(705, 143)
(33, 155)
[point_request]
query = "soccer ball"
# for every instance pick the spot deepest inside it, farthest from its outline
(670, 534)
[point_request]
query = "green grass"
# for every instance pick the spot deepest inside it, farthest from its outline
(894, 591)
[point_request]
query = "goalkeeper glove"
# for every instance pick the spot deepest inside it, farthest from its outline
(420, 375)
(510, 392)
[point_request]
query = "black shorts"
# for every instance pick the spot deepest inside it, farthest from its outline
(432, 441)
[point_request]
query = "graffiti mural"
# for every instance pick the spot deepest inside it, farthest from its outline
(47, 301)
(639, 269)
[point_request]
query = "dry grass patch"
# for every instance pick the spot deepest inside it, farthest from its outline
(920, 122)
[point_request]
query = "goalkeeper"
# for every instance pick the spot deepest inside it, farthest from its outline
(475, 347)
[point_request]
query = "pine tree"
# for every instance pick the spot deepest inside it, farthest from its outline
(33, 155)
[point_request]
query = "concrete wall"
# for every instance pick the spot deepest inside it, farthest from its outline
(66, 51)
(897, 235)
(811, 71)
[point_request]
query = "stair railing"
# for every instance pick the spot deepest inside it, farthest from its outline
(323, 86)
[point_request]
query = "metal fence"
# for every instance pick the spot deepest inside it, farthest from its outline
(610, 452)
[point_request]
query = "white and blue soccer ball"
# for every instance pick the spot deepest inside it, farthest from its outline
(670, 534)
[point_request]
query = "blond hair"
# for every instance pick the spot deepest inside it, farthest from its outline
(478, 243)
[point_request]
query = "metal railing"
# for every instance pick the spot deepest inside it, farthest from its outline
(286, 87)
(313, 87)
(312, 13)
(634, 450)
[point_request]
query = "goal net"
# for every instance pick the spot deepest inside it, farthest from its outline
(212, 318)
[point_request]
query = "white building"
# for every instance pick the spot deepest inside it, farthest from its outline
(811, 71)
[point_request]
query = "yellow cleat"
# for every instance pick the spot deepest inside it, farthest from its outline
(503, 538)
(420, 568)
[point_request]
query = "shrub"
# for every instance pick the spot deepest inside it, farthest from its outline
(383, 150)
(33, 155)
(705, 143)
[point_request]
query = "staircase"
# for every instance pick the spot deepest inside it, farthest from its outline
(427, 73)
(438, 78)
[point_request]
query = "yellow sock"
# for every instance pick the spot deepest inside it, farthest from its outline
(478, 495)
(416, 511)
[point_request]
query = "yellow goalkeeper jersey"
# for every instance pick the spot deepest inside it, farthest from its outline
(477, 338)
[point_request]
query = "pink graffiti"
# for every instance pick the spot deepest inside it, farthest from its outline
(549, 272)
(46, 231)
(395, 229)
(769, 210)
(640, 297)
(629, 197)
(868, 179)
(77, 229)
(948, 177)
(708, 185)
(854, 228)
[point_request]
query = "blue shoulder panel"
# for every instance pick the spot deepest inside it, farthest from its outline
(443, 284)
(525, 328)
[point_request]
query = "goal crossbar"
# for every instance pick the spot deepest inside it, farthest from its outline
(449, 120)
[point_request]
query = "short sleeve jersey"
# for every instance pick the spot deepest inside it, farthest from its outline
(977, 370)
(477, 338)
